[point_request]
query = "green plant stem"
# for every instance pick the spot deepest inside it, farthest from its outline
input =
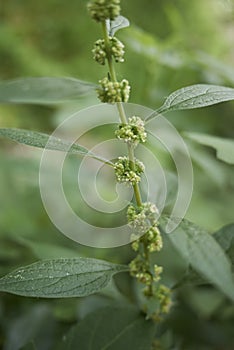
(124, 120)
(121, 111)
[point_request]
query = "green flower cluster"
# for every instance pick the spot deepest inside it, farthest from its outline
(164, 296)
(161, 301)
(125, 173)
(139, 270)
(112, 92)
(158, 295)
(153, 240)
(133, 132)
(108, 48)
(100, 10)
(144, 221)
(142, 218)
(116, 49)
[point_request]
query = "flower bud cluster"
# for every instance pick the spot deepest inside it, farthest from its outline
(157, 272)
(154, 240)
(160, 302)
(101, 10)
(139, 270)
(159, 292)
(112, 92)
(164, 296)
(116, 50)
(133, 132)
(144, 220)
(125, 173)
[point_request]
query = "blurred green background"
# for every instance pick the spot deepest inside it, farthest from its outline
(170, 44)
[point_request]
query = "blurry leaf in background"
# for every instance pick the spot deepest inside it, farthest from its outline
(31, 326)
(44, 90)
(203, 253)
(225, 237)
(223, 147)
(40, 140)
(43, 250)
(174, 264)
(111, 328)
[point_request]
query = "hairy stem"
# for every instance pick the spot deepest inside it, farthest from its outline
(131, 154)
(121, 111)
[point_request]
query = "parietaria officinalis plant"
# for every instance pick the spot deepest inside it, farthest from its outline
(81, 277)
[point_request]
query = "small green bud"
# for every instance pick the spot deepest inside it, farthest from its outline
(112, 92)
(144, 277)
(101, 10)
(135, 246)
(154, 239)
(133, 132)
(99, 51)
(157, 272)
(164, 295)
(143, 217)
(135, 242)
(137, 266)
(124, 172)
(116, 49)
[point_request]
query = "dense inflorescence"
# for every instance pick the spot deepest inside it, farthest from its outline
(143, 217)
(101, 10)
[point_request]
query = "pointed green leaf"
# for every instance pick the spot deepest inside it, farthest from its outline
(194, 96)
(204, 254)
(44, 90)
(225, 236)
(43, 250)
(111, 328)
(60, 278)
(41, 140)
(118, 23)
(28, 326)
(223, 147)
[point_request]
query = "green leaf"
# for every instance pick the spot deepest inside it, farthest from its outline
(111, 328)
(29, 325)
(194, 96)
(43, 250)
(223, 147)
(225, 236)
(44, 90)
(204, 254)
(174, 265)
(60, 278)
(119, 23)
(41, 140)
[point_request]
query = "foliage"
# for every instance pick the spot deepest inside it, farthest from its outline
(187, 301)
